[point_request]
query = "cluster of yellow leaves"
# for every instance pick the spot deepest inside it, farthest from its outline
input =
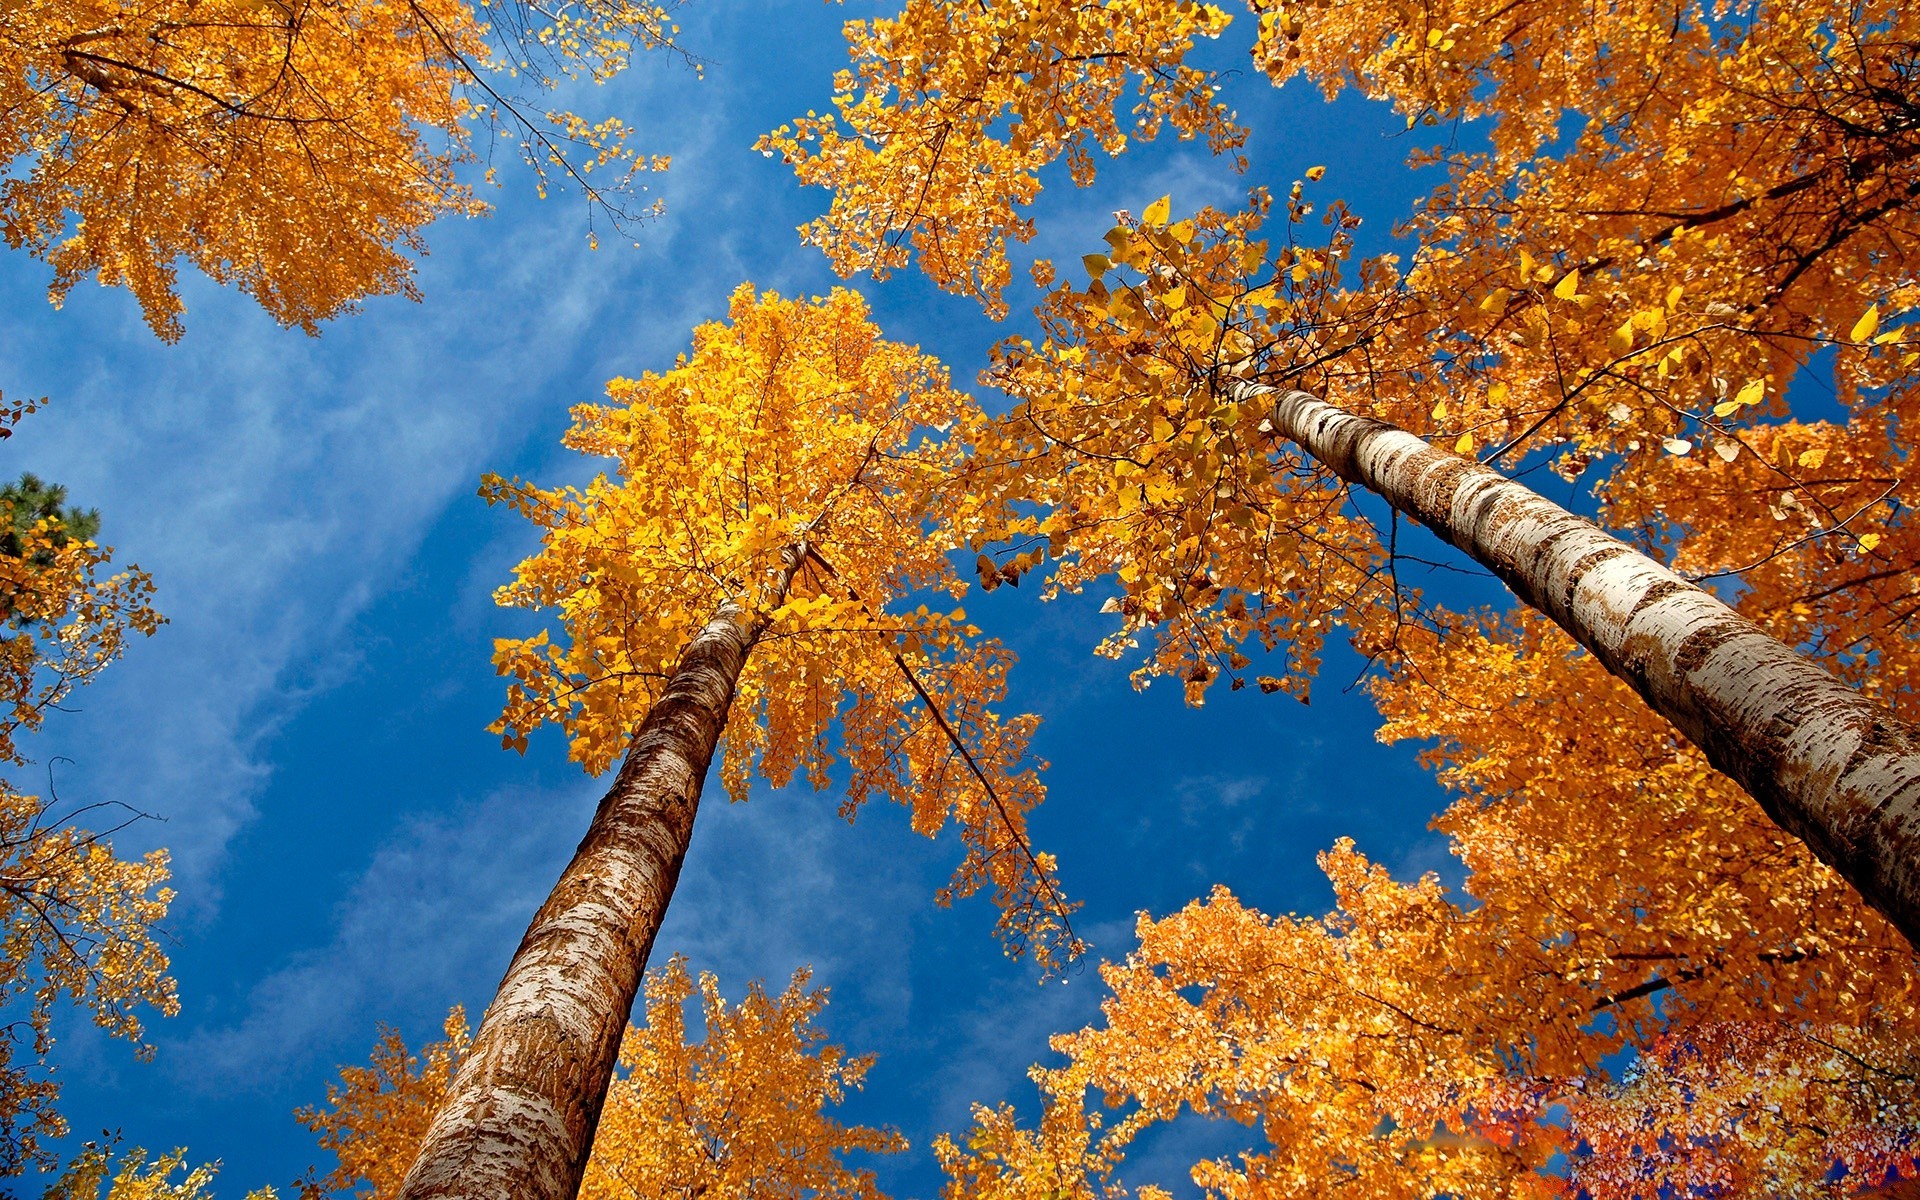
(1678, 208)
(135, 1177)
(76, 923)
(791, 464)
(743, 1112)
(1667, 1129)
(1613, 840)
(377, 1115)
(1065, 1158)
(1149, 468)
(294, 148)
(60, 624)
(952, 110)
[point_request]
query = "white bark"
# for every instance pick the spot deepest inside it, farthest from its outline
(521, 1112)
(1828, 764)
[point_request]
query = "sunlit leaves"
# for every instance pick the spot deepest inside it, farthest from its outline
(951, 112)
(793, 442)
(745, 1109)
(1671, 199)
(131, 1175)
(1642, 988)
(295, 150)
(76, 927)
(61, 622)
(1154, 475)
(376, 1115)
(76, 922)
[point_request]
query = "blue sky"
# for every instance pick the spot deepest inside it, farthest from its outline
(351, 847)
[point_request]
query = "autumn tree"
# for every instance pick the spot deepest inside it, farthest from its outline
(78, 921)
(1734, 198)
(295, 150)
(1421, 1042)
(765, 549)
(742, 1110)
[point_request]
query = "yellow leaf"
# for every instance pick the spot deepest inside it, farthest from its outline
(1568, 286)
(1497, 393)
(1096, 264)
(1156, 213)
(1753, 393)
(1314, 173)
(1864, 328)
(1869, 540)
(1814, 457)
(1463, 444)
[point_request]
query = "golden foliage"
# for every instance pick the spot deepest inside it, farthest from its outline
(377, 1115)
(1620, 895)
(1679, 204)
(1147, 468)
(952, 110)
(135, 1177)
(792, 434)
(63, 624)
(76, 923)
(742, 1111)
(1814, 519)
(293, 148)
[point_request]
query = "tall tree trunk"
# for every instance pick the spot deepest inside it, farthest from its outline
(520, 1114)
(1829, 765)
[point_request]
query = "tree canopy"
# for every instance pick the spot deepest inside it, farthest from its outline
(296, 151)
(1663, 253)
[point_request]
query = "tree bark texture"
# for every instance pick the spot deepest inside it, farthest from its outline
(1826, 763)
(520, 1115)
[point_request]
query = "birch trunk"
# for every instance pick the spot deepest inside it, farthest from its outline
(1826, 763)
(521, 1112)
